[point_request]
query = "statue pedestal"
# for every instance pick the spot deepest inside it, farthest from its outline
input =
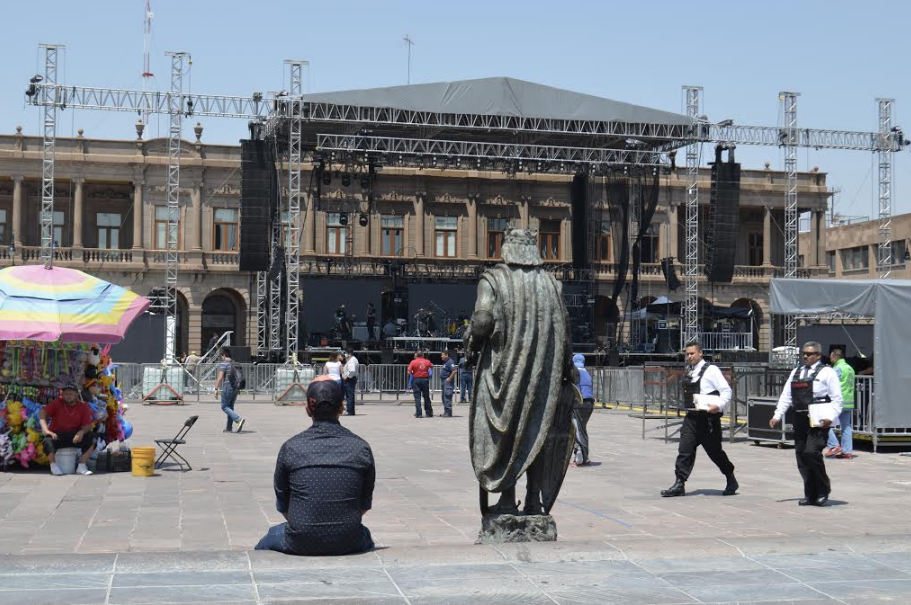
(499, 529)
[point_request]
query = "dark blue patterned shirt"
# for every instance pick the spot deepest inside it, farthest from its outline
(324, 480)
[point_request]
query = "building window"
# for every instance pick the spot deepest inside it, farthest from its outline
(830, 261)
(496, 228)
(446, 229)
(108, 230)
(549, 240)
(161, 228)
(602, 246)
(3, 237)
(392, 235)
(59, 228)
(649, 245)
(336, 234)
(226, 229)
(755, 250)
(898, 252)
(854, 259)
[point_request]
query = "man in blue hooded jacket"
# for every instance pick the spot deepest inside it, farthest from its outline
(582, 412)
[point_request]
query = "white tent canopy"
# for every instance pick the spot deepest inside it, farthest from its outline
(888, 303)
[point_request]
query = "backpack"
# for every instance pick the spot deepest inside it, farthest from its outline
(236, 377)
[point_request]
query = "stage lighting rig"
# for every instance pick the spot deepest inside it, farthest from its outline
(32, 88)
(343, 219)
(346, 179)
(362, 220)
(327, 177)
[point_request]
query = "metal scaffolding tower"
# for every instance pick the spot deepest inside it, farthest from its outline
(292, 225)
(50, 98)
(788, 101)
(884, 151)
(175, 111)
(690, 312)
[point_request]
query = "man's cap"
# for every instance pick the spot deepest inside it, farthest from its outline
(70, 387)
(323, 389)
(579, 360)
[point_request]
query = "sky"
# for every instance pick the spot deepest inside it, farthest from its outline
(839, 55)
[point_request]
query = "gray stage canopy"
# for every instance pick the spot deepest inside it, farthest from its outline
(888, 302)
(503, 97)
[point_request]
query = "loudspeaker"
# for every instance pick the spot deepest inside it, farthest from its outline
(579, 204)
(240, 354)
(257, 207)
(670, 274)
(723, 227)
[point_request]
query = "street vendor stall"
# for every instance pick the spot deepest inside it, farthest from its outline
(54, 325)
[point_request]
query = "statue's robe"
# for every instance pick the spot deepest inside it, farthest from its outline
(519, 395)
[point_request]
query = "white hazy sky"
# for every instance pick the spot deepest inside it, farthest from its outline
(839, 55)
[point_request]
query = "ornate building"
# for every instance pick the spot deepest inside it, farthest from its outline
(433, 229)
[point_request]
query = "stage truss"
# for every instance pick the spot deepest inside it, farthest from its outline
(319, 131)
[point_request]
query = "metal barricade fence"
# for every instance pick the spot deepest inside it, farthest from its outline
(622, 387)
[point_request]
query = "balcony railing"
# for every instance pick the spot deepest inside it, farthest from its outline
(88, 258)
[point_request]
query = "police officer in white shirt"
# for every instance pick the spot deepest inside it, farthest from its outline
(811, 383)
(702, 427)
(349, 381)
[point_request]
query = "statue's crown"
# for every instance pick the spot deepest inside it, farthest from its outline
(522, 237)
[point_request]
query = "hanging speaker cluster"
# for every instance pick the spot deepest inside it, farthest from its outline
(723, 228)
(257, 204)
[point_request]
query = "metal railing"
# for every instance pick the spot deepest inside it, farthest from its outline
(726, 341)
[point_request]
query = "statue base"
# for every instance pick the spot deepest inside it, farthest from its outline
(500, 529)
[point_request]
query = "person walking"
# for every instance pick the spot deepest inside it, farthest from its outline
(371, 322)
(464, 378)
(582, 412)
(227, 381)
(349, 379)
(845, 375)
(811, 384)
(702, 427)
(447, 376)
(419, 370)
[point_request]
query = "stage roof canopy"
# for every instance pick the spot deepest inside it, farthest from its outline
(502, 97)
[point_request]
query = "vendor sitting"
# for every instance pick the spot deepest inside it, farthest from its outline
(72, 422)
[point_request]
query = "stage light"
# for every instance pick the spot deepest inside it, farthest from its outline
(327, 177)
(362, 219)
(365, 182)
(343, 219)
(346, 179)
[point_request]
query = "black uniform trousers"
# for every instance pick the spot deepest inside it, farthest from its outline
(701, 428)
(808, 445)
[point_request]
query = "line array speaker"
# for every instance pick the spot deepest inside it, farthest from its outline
(670, 274)
(256, 204)
(723, 229)
(580, 235)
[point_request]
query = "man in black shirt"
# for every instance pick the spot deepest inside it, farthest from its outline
(324, 481)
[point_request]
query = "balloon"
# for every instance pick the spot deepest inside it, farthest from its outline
(127, 428)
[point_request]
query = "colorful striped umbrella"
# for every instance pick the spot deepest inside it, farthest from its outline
(64, 304)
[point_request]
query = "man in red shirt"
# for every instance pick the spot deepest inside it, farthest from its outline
(420, 370)
(71, 421)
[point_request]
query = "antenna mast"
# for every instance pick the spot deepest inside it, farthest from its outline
(147, 74)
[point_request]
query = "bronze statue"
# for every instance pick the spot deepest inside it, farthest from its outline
(523, 392)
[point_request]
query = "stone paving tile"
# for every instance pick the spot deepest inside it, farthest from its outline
(769, 592)
(182, 594)
(370, 589)
(866, 591)
(53, 597)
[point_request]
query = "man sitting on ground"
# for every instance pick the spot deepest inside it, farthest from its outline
(324, 481)
(71, 420)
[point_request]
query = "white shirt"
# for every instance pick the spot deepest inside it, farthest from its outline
(712, 380)
(334, 370)
(351, 367)
(826, 383)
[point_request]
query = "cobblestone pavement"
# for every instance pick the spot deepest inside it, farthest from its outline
(185, 537)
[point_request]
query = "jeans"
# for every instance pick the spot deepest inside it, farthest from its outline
(275, 540)
(846, 419)
(448, 392)
(464, 386)
(421, 386)
(228, 397)
(350, 390)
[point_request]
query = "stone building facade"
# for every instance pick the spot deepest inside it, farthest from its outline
(110, 212)
(850, 251)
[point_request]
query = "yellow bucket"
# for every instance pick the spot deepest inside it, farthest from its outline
(143, 461)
